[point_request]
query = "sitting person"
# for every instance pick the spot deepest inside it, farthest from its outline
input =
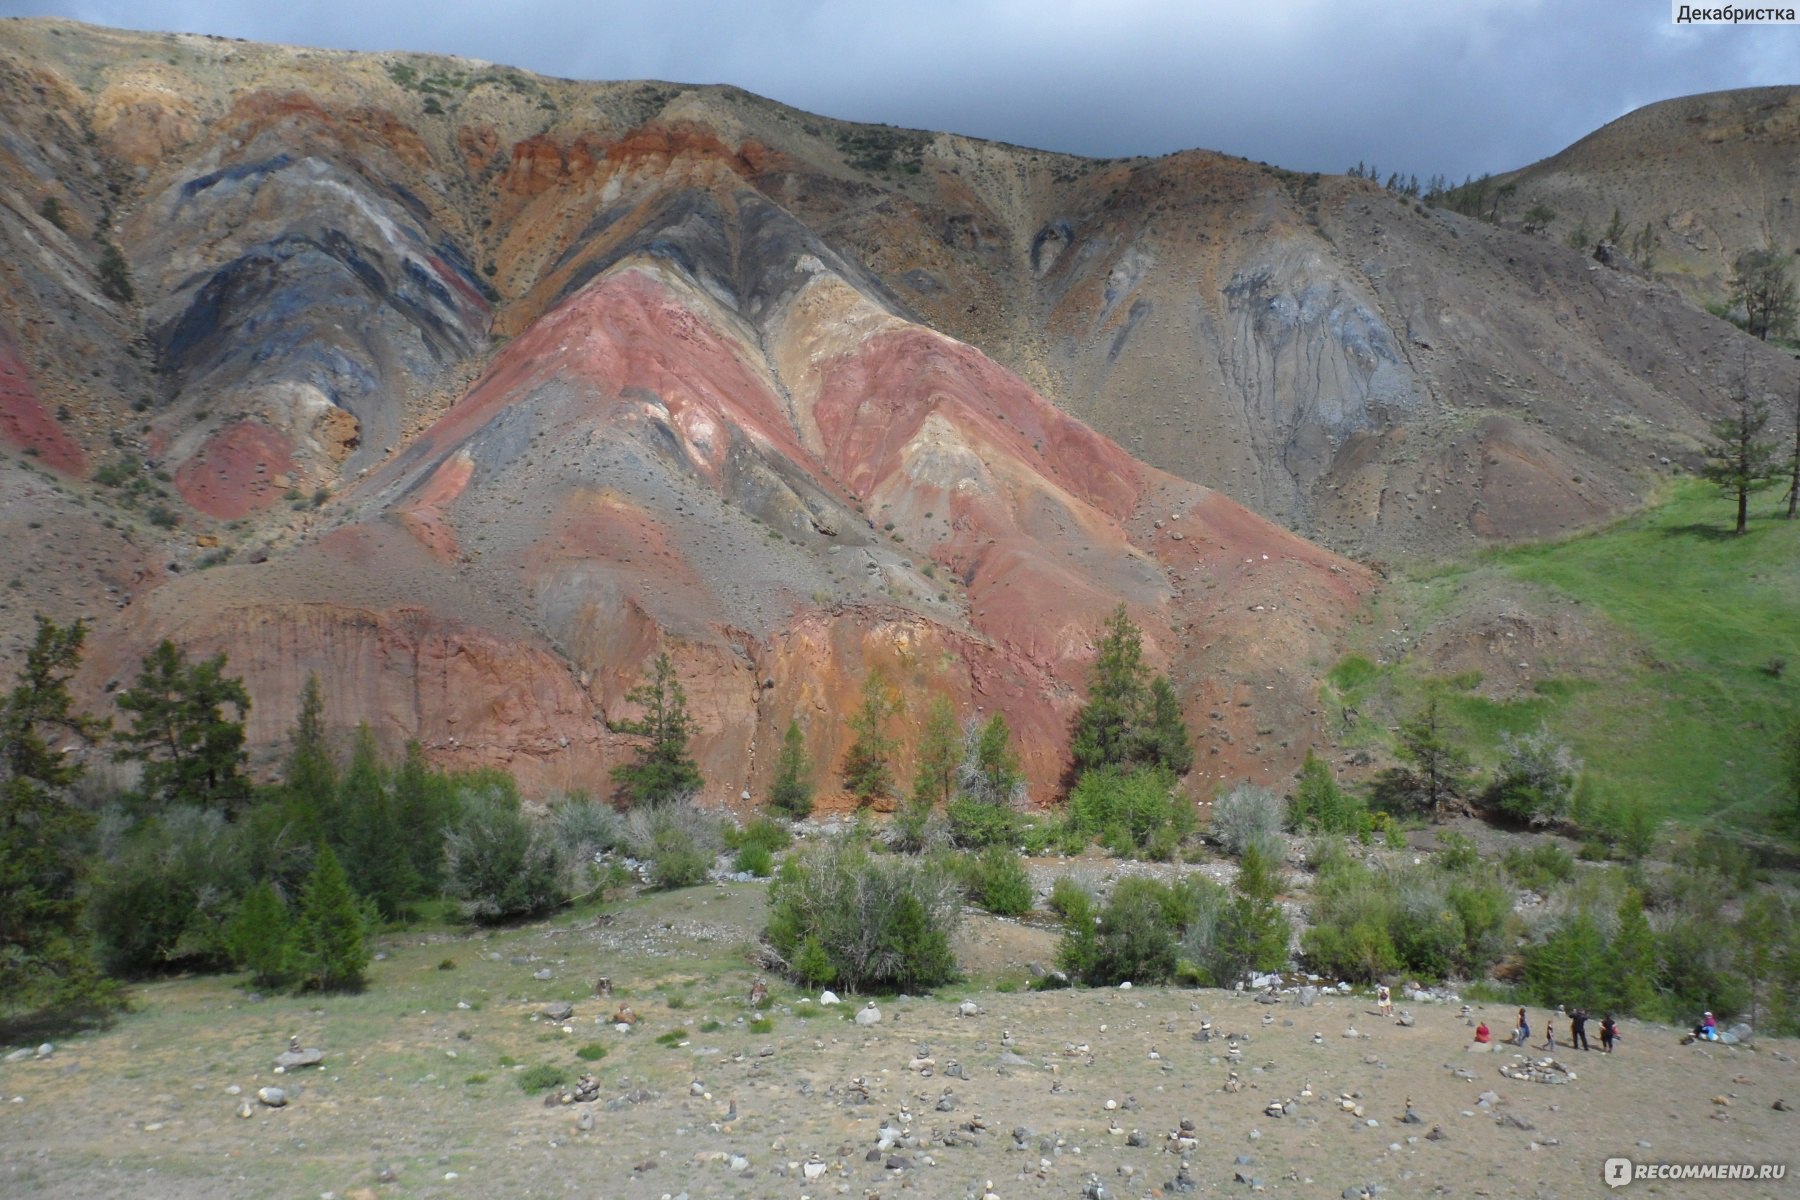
(1481, 1033)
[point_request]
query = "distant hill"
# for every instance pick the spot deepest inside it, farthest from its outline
(1712, 175)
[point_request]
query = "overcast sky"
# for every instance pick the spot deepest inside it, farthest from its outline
(1457, 86)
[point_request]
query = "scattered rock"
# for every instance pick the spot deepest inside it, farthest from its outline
(868, 1014)
(272, 1097)
(289, 1060)
(560, 1011)
(829, 997)
(543, 976)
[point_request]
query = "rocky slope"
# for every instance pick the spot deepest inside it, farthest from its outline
(1712, 175)
(471, 390)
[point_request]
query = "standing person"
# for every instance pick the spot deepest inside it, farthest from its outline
(1609, 1033)
(1578, 1029)
(1384, 1000)
(1522, 1032)
(1550, 1032)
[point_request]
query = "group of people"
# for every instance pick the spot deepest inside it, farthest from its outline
(1578, 1040)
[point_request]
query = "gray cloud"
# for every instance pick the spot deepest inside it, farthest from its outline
(1452, 86)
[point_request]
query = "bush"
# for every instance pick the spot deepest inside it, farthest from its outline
(499, 865)
(678, 839)
(754, 860)
(592, 1052)
(1535, 782)
(838, 916)
(583, 828)
(1320, 805)
(1127, 808)
(1249, 816)
(542, 1078)
(763, 832)
(171, 886)
(1133, 940)
(996, 880)
(1366, 924)
(1540, 868)
(978, 823)
(916, 828)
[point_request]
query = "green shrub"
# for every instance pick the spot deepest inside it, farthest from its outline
(975, 824)
(765, 832)
(1126, 808)
(592, 1052)
(582, 827)
(499, 865)
(679, 840)
(1540, 868)
(1134, 940)
(542, 1078)
(838, 915)
(1457, 854)
(754, 860)
(761, 1025)
(916, 828)
(1320, 805)
(996, 880)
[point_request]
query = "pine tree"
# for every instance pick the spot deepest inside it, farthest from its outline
(1164, 742)
(868, 772)
(663, 769)
(192, 754)
(1106, 728)
(426, 810)
(308, 775)
(939, 754)
(46, 959)
(374, 841)
(258, 936)
(329, 950)
(1739, 459)
(791, 792)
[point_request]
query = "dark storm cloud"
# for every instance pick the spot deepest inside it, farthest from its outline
(1411, 85)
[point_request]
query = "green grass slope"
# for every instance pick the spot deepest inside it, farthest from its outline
(1686, 719)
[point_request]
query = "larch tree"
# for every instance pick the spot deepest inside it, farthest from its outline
(663, 769)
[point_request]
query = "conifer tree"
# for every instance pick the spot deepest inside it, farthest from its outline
(1438, 773)
(1255, 934)
(868, 771)
(426, 810)
(662, 769)
(1131, 719)
(46, 960)
(1164, 742)
(192, 753)
(939, 754)
(791, 792)
(1631, 962)
(258, 936)
(309, 776)
(1739, 459)
(375, 845)
(992, 772)
(329, 950)
(1106, 728)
